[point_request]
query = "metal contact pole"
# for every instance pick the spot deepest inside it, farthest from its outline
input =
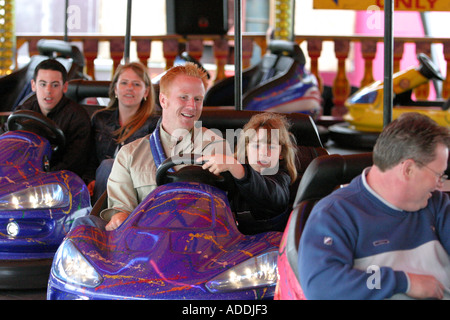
(126, 54)
(66, 16)
(388, 61)
(293, 20)
(426, 28)
(237, 55)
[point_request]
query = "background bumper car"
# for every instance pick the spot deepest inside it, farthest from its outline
(37, 207)
(364, 119)
(279, 82)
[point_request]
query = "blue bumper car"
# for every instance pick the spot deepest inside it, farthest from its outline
(181, 242)
(37, 206)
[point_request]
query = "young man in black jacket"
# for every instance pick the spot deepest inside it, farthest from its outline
(50, 84)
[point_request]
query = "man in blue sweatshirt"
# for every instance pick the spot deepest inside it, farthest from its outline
(386, 234)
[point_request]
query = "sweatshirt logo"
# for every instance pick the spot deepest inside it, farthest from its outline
(380, 242)
(328, 241)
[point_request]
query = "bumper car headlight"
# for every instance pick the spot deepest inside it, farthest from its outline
(259, 271)
(53, 195)
(72, 267)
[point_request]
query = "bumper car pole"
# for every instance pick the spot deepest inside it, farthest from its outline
(66, 17)
(237, 56)
(388, 62)
(426, 28)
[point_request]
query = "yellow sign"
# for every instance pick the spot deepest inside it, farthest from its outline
(399, 5)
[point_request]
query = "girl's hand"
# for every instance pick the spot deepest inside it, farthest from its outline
(219, 163)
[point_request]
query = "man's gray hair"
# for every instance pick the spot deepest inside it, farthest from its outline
(411, 136)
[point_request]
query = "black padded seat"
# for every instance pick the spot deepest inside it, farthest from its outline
(303, 127)
(79, 90)
(323, 175)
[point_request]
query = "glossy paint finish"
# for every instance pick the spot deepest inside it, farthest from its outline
(40, 230)
(181, 236)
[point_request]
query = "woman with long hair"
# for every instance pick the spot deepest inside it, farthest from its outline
(127, 117)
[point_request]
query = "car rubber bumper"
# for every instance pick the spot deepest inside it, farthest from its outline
(24, 274)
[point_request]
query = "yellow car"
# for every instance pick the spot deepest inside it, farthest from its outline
(365, 107)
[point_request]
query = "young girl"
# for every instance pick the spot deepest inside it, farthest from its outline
(263, 168)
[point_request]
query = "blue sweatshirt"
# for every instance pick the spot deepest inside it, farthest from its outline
(355, 246)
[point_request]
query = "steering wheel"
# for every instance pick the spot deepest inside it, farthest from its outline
(428, 68)
(192, 172)
(35, 122)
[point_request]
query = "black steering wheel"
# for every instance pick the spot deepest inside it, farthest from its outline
(35, 122)
(428, 69)
(192, 172)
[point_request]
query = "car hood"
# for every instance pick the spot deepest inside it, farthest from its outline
(21, 168)
(179, 238)
(22, 154)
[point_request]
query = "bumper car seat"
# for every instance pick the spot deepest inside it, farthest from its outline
(278, 83)
(80, 90)
(322, 176)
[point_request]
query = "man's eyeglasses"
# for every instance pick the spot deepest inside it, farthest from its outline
(442, 177)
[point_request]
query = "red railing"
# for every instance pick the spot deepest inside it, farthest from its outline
(221, 49)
